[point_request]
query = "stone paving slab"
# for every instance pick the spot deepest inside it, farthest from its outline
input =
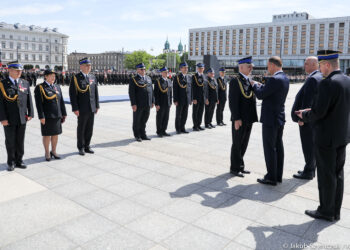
(167, 193)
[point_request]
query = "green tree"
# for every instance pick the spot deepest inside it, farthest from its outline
(158, 63)
(136, 57)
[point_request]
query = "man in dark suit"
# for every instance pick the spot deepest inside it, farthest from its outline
(182, 91)
(330, 117)
(222, 81)
(163, 94)
(83, 93)
(211, 97)
(142, 100)
(16, 108)
(303, 100)
(242, 103)
(198, 97)
(273, 93)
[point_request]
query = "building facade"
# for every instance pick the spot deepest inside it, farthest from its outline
(40, 47)
(293, 37)
(110, 60)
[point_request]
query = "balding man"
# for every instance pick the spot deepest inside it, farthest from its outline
(303, 100)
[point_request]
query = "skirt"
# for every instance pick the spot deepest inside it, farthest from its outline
(53, 126)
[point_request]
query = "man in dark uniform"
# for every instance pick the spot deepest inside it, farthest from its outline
(273, 93)
(222, 85)
(303, 100)
(211, 97)
(142, 100)
(330, 117)
(198, 97)
(34, 77)
(16, 108)
(83, 92)
(163, 94)
(182, 97)
(242, 104)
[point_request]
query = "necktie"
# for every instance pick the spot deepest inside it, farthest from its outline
(16, 84)
(87, 78)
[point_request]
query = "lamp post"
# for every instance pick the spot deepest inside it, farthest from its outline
(62, 54)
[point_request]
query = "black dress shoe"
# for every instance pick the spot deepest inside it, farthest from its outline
(207, 126)
(337, 217)
(166, 134)
(138, 139)
(266, 182)
(81, 152)
(245, 171)
(303, 176)
(47, 159)
(89, 150)
(145, 138)
(184, 131)
(219, 124)
(195, 129)
(300, 171)
(211, 125)
(10, 167)
(178, 132)
(317, 215)
(235, 173)
(21, 165)
(200, 128)
(223, 124)
(52, 155)
(160, 135)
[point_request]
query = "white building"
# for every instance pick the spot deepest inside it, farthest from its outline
(293, 37)
(40, 47)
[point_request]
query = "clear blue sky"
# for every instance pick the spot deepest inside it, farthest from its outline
(104, 25)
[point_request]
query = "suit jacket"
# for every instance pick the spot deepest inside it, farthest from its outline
(222, 88)
(306, 94)
(198, 87)
(15, 112)
(330, 111)
(84, 102)
(273, 93)
(163, 99)
(242, 108)
(54, 108)
(182, 95)
(142, 95)
(211, 90)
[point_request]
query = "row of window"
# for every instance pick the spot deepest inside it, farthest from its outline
(278, 41)
(26, 38)
(26, 46)
(28, 57)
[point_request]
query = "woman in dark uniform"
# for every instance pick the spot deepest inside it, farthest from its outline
(51, 111)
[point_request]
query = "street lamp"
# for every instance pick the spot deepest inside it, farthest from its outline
(62, 54)
(17, 51)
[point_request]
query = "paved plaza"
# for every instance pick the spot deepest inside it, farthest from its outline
(167, 193)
